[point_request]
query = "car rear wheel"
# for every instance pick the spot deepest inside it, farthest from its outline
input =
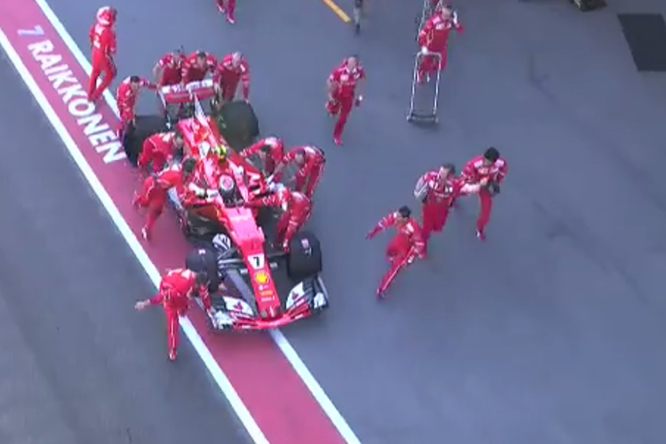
(238, 124)
(305, 258)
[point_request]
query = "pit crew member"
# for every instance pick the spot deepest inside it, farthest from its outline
(405, 247)
(103, 45)
(434, 38)
(232, 71)
(196, 66)
(343, 93)
(159, 149)
(296, 209)
(169, 69)
(126, 98)
(176, 289)
(154, 192)
(437, 190)
(310, 161)
(487, 171)
(228, 10)
(270, 150)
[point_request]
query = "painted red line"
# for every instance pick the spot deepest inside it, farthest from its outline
(277, 398)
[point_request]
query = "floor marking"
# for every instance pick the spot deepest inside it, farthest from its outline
(218, 375)
(204, 353)
(338, 11)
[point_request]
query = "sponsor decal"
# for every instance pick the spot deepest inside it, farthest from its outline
(262, 278)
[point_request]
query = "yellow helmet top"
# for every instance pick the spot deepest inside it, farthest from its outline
(221, 152)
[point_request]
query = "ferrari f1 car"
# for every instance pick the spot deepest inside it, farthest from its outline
(267, 287)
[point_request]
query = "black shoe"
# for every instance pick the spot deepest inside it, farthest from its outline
(357, 28)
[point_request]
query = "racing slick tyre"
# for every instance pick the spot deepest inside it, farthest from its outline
(205, 260)
(305, 259)
(145, 127)
(238, 124)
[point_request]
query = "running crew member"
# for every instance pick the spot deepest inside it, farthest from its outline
(343, 93)
(296, 208)
(155, 189)
(310, 161)
(434, 38)
(159, 149)
(437, 190)
(103, 44)
(176, 289)
(126, 99)
(269, 150)
(232, 71)
(169, 69)
(197, 65)
(487, 171)
(229, 10)
(405, 247)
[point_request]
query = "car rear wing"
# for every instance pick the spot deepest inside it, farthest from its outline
(180, 94)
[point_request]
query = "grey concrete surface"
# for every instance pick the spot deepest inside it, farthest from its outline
(78, 364)
(552, 331)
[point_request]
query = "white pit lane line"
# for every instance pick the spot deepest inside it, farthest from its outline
(220, 378)
(209, 361)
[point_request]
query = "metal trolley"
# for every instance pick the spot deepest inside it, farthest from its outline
(426, 115)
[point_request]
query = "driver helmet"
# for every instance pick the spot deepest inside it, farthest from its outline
(221, 242)
(106, 15)
(221, 152)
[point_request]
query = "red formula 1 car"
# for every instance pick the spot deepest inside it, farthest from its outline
(268, 287)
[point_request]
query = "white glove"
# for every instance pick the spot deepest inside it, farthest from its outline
(454, 17)
(424, 50)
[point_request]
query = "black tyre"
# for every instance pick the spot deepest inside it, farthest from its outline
(145, 127)
(238, 124)
(204, 260)
(305, 258)
(200, 228)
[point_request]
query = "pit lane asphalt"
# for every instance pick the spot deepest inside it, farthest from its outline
(78, 365)
(550, 332)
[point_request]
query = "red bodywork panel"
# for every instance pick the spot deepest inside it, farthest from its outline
(201, 134)
(180, 93)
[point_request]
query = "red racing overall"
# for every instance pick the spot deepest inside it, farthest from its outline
(342, 98)
(103, 43)
(475, 172)
(439, 193)
(176, 289)
(404, 248)
(157, 150)
(434, 37)
(309, 171)
(231, 72)
(296, 209)
(274, 156)
(154, 195)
